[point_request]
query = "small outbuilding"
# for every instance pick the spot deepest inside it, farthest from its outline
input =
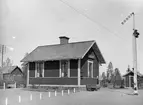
(129, 79)
(11, 74)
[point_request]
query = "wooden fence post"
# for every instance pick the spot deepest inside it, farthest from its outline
(4, 85)
(6, 101)
(62, 93)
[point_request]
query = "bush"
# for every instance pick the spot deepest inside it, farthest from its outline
(105, 85)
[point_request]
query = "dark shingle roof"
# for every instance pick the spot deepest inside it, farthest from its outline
(61, 51)
(131, 72)
(7, 69)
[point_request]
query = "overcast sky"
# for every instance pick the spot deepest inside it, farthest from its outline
(25, 24)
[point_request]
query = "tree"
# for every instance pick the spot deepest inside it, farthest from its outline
(8, 62)
(128, 70)
(109, 72)
(117, 77)
(103, 79)
(103, 76)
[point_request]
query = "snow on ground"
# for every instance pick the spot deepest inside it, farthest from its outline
(101, 97)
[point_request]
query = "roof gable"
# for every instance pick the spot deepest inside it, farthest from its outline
(75, 50)
(98, 53)
(8, 69)
(132, 73)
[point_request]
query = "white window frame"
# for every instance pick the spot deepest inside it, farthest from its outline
(37, 74)
(68, 68)
(43, 70)
(60, 70)
(89, 61)
(68, 71)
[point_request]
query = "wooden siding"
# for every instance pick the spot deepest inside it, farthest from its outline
(51, 69)
(85, 81)
(84, 64)
(31, 73)
(17, 71)
(51, 73)
(84, 68)
(53, 81)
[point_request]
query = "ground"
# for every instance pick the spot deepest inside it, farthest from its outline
(102, 97)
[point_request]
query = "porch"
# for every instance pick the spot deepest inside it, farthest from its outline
(57, 72)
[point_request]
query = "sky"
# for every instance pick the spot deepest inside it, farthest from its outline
(26, 24)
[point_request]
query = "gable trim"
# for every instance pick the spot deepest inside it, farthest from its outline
(15, 69)
(88, 49)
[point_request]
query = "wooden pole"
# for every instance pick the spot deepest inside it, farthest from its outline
(135, 58)
(2, 53)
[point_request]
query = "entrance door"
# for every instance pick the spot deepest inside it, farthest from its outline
(90, 69)
(132, 82)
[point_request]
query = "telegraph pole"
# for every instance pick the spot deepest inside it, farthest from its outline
(134, 47)
(2, 53)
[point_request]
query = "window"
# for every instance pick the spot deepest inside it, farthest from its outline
(51, 65)
(32, 66)
(90, 69)
(64, 68)
(39, 69)
(73, 68)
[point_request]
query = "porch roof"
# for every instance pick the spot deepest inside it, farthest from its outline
(76, 50)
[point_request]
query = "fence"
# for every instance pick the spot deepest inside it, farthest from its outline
(4, 85)
(31, 97)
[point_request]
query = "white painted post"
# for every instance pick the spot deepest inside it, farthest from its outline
(40, 96)
(15, 84)
(79, 64)
(74, 90)
(49, 94)
(27, 75)
(6, 101)
(4, 86)
(62, 92)
(30, 97)
(55, 93)
(60, 71)
(68, 91)
(68, 68)
(19, 99)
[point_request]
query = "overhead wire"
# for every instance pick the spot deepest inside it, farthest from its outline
(96, 22)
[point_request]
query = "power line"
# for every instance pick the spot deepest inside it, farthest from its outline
(85, 15)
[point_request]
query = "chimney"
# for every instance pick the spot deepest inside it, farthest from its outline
(64, 40)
